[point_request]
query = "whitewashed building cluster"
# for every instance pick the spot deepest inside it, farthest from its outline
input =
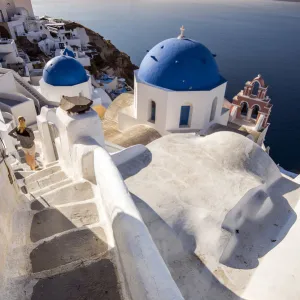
(16, 17)
(200, 212)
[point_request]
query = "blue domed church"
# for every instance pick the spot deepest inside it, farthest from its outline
(64, 75)
(179, 88)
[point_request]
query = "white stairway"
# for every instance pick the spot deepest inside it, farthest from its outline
(60, 249)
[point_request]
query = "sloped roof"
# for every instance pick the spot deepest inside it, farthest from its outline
(138, 134)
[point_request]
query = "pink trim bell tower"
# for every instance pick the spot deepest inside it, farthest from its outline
(251, 106)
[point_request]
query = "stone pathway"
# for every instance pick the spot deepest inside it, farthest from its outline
(60, 249)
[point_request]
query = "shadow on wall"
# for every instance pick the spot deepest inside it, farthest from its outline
(176, 246)
(258, 223)
(135, 165)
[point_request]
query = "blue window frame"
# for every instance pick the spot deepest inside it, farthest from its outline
(184, 115)
(153, 111)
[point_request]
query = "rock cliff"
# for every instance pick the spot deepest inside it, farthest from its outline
(108, 56)
(31, 49)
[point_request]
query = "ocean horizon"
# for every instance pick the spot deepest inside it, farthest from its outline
(248, 37)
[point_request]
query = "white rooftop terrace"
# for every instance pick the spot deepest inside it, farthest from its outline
(221, 215)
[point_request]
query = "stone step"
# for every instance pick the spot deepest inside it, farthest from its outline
(41, 174)
(23, 174)
(71, 193)
(20, 167)
(52, 164)
(56, 220)
(98, 280)
(46, 181)
(79, 245)
(92, 279)
(50, 188)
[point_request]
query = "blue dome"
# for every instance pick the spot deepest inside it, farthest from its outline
(64, 71)
(68, 52)
(180, 65)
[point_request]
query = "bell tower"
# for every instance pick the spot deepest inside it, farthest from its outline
(251, 107)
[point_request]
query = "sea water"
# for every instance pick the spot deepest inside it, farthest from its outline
(249, 37)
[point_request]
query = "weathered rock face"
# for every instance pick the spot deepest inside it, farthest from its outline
(32, 49)
(108, 55)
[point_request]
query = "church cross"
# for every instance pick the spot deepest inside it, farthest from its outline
(182, 29)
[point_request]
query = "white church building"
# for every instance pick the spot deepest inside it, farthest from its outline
(65, 76)
(178, 88)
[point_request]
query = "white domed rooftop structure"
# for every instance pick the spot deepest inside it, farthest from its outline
(64, 70)
(64, 76)
(179, 88)
(180, 64)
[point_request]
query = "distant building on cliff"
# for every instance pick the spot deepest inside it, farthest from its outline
(9, 54)
(15, 17)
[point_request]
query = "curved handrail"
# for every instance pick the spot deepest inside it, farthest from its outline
(146, 273)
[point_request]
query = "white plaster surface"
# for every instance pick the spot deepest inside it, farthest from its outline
(220, 213)
(10, 53)
(5, 128)
(54, 93)
(146, 274)
(7, 82)
(70, 130)
(82, 156)
(169, 103)
(9, 202)
(18, 105)
(12, 82)
(46, 138)
(99, 96)
(26, 4)
(127, 154)
(84, 38)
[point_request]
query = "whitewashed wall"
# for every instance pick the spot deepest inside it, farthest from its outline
(54, 93)
(25, 109)
(169, 103)
(144, 95)
(3, 5)
(9, 201)
(71, 130)
(16, 28)
(85, 61)
(84, 38)
(7, 83)
(26, 4)
(145, 272)
(82, 154)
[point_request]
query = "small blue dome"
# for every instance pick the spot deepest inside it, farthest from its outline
(68, 52)
(180, 65)
(64, 71)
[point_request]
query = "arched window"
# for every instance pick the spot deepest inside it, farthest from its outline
(213, 109)
(255, 88)
(244, 109)
(255, 110)
(185, 116)
(152, 111)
